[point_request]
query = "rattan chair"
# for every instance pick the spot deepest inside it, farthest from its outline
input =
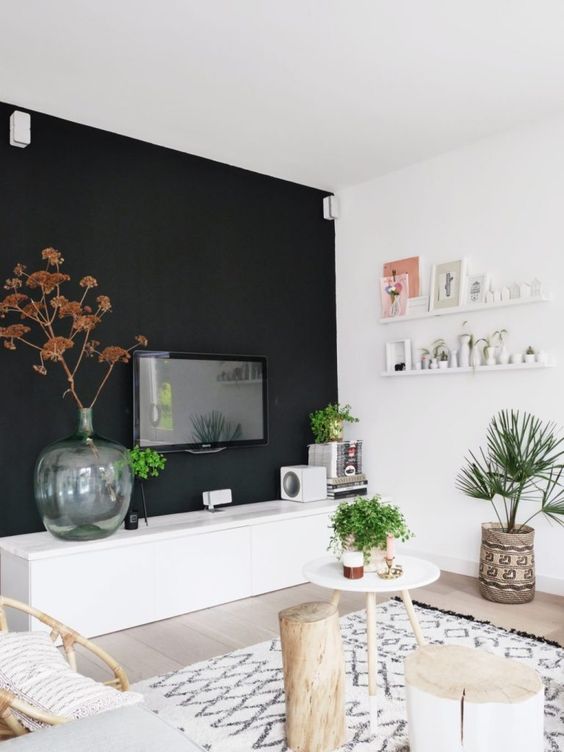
(9, 724)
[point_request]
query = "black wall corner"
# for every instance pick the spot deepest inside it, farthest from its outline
(196, 255)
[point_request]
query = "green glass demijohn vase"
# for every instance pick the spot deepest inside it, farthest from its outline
(83, 484)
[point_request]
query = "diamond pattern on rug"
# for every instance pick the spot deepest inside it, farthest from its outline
(235, 702)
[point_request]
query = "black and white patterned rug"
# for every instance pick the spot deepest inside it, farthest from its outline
(235, 703)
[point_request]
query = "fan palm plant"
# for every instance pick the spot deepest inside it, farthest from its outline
(522, 462)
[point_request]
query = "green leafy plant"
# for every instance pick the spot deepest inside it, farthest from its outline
(522, 462)
(439, 347)
(327, 424)
(443, 356)
(364, 524)
(213, 427)
(530, 350)
(146, 463)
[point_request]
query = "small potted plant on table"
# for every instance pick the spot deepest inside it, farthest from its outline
(522, 462)
(327, 424)
(145, 463)
(364, 525)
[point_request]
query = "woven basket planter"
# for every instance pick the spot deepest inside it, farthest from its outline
(507, 564)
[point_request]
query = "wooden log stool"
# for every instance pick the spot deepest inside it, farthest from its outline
(461, 699)
(314, 677)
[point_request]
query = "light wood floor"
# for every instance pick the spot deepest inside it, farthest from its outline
(154, 649)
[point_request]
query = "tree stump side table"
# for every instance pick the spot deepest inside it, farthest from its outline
(463, 699)
(328, 572)
(314, 677)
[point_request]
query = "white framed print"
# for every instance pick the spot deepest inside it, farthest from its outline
(448, 285)
(398, 355)
(477, 287)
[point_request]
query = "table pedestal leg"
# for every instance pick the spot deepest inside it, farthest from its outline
(336, 597)
(372, 660)
(406, 598)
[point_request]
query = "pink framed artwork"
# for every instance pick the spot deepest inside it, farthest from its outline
(408, 266)
(394, 293)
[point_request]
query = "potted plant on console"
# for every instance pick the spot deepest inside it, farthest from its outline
(327, 424)
(145, 463)
(521, 463)
(83, 482)
(364, 525)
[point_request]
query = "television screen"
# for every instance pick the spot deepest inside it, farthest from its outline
(193, 401)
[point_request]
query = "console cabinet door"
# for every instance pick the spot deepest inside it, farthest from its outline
(97, 591)
(280, 550)
(198, 571)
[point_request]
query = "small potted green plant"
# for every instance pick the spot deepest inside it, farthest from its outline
(522, 463)
(363, 525)
(145, 463)
(443, 359)
(529, 355)
(327, 424)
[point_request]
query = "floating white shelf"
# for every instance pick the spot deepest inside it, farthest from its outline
(466, 309)
(478, 369)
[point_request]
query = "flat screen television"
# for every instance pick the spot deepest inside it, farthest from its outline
(197, 402)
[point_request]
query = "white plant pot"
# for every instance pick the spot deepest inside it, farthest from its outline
(434, 364)
(516, 358)
(503, 355)
(542, 358)
(443, 365)
(530, 358)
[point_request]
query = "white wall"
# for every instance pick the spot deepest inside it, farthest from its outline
(500, 202)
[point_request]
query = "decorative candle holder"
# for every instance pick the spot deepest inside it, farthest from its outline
(353, 565)
(391, 572)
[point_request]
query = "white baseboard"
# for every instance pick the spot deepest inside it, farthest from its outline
(545, 584)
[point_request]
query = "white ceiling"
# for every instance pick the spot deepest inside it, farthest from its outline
(322, 92)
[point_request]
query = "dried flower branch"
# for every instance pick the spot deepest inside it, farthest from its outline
(50, 306)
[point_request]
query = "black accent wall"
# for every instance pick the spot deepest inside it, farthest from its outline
(196, 255)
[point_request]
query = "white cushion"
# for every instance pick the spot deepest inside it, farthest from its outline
(33, 669)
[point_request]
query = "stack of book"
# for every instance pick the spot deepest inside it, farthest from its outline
(349, 486)
(343, 462)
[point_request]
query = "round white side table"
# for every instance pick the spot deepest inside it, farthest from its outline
(327, 572)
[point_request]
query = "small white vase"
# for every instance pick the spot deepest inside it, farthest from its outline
(529, 358)
(516, 358)
(434, 364)
(475, 357)
(453, 359)
(542, 358)
(503, 355)
(464, 351)
(489, 352)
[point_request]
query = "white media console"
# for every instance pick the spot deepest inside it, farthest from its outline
(180, 563)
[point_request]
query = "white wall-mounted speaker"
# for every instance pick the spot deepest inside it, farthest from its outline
(330, 207)
(20, 129)
(303, 483)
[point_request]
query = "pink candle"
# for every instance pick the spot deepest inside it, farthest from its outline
(389, 546)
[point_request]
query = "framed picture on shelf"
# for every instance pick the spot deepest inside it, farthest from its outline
(448, 285)
(477, 287)
(409, 266)
(394, 292)
(398, 355)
